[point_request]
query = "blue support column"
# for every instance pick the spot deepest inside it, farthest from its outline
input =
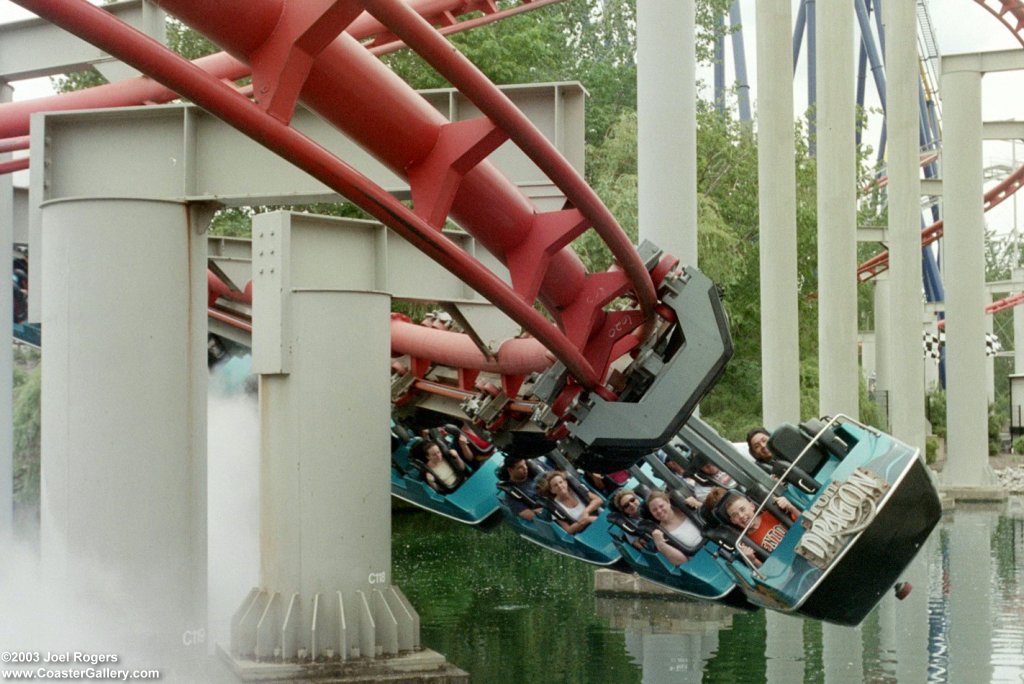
(798, 32)
(862, 76)
(871, 48)
(739, 59)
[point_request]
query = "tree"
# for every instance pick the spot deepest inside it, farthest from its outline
(180, 38)
(26, 420)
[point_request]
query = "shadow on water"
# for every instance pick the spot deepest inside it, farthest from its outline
(505, 610)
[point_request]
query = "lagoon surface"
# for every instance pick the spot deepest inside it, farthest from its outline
(505, 610)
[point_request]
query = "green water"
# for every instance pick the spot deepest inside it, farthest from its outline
(502, 608)
(506, 610)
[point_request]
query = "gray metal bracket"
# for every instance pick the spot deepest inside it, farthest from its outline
(665, 381)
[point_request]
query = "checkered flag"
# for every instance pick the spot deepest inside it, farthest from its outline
(992, 344)
(932, 344)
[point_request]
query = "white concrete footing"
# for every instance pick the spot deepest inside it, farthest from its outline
(321, 349)
(426, 666)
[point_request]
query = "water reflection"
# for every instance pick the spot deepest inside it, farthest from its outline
(671, 640)
(500, 607)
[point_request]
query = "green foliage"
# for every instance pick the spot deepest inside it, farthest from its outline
(809, 386)
(931, 449)
(232, 222)
(186, 42)
(870, 412)
(27, 384)
(1018, 445)
(611, 171)
(935, 410)
(77, 80)
(180, 39)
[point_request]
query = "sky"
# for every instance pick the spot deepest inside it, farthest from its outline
(960, 26)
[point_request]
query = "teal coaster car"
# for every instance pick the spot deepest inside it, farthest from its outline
(703, 576)
(592, 545)
(473, 502)
(874, 506)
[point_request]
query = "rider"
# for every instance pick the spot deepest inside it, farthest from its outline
(672, 523)
(627, 504)
(443, 474)
(516, 471)
(577, 515)
(757, 444)
(764, 528)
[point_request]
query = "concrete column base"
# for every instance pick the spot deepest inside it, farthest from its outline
(977, 494)
(273, 627)
(418, 666)
(988, 489)
(608, 581)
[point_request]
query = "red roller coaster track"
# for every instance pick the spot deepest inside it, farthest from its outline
(311, 52)
(301, 52)
(450, 15)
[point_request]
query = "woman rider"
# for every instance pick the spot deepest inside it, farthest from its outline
(555, 486)
(672, 523)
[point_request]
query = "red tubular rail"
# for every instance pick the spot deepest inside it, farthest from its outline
(13, 165)
(518, 356)
(14, 116)
(464, 75)
(880, 262)
(1001, 10)
(12, 144)
(414, 140)
(389, 118)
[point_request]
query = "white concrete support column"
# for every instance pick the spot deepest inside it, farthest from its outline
(970, 598)
(321, 350)
(123, 501)
(867, 357)
(910, 618)
(837, 213)
(966, 401)
(784, 647)
(1018, 328)
(990, 361)
(842, 650)
(883, 334)
(780, 349)
(667, 126)
(906, 400)
(6, 358)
